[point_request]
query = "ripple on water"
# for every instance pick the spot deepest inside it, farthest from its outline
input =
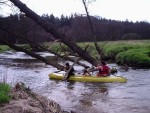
(130, 97)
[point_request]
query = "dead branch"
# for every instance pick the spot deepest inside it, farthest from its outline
(58, 66)
(37, 45)
(50, 28)
(91, 27)
(55, 41)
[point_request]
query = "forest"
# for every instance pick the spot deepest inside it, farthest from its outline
(75, 27)
(31, 28)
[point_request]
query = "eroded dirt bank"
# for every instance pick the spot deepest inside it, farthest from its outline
(23, 100)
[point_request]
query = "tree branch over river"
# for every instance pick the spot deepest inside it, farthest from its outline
(37, 46)
(51, 29)
(121, 54)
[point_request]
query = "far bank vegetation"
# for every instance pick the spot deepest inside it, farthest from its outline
(29, 27)
(135, 53)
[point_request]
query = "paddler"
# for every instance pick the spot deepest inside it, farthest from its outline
(103, 70)
(66, 68)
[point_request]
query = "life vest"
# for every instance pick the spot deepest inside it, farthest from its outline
(71, 72)
(104, 71)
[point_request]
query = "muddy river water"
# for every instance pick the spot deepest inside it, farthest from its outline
(82, 97)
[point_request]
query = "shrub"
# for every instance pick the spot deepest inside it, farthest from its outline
(4, 48)
(114, 50)
(133, 58)
(4, 91)
(4, 98)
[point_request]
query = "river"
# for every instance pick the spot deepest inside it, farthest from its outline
(82, 97)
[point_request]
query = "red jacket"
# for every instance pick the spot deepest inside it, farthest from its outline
(104, 71)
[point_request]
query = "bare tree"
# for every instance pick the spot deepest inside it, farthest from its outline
(39, 47)
(98, 48)
(51, 29)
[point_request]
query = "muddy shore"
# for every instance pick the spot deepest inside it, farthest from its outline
(23, 100)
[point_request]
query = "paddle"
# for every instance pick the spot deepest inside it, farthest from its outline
(57, 71)
(66, 74)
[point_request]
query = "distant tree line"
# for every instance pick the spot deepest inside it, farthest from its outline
(76, 27)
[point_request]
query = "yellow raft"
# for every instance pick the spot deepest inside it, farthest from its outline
(82, 78)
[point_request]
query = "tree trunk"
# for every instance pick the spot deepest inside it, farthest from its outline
(58, 66)
(41, 47)
(51, 29)
(92, 30)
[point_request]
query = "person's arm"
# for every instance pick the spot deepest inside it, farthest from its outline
(98, 67)
(109, 71)
(63, 69)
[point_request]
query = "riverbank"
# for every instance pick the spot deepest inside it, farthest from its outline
(23, 100)
(134, 53)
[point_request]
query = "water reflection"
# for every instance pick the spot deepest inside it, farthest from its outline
(85, 103)
(103, 90)
(70, 85)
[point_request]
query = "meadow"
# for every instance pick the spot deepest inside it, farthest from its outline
(135, 53)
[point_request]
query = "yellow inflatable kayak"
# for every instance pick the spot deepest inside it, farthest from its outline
(82, 78)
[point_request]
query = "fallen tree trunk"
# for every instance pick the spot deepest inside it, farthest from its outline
(41, 47)
(58, 66)
(51, 29)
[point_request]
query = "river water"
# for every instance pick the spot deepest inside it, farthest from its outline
(82, 97)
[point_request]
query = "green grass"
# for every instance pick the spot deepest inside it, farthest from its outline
(4, 91)
(132, 52)
(133, 58)
(90, 49)
(113, 48)
(112, 51)
(4, 48)
(56, 47)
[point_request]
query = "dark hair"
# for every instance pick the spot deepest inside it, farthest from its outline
(103, 63)
(67, 64)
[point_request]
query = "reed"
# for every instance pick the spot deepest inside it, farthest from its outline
(4, 89)
(4, 93)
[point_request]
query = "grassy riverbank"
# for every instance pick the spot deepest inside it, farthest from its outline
(134, 53)
(23, 100)
(4, 93)
(4, 48)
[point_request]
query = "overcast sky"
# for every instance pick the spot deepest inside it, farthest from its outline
(133, 10)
